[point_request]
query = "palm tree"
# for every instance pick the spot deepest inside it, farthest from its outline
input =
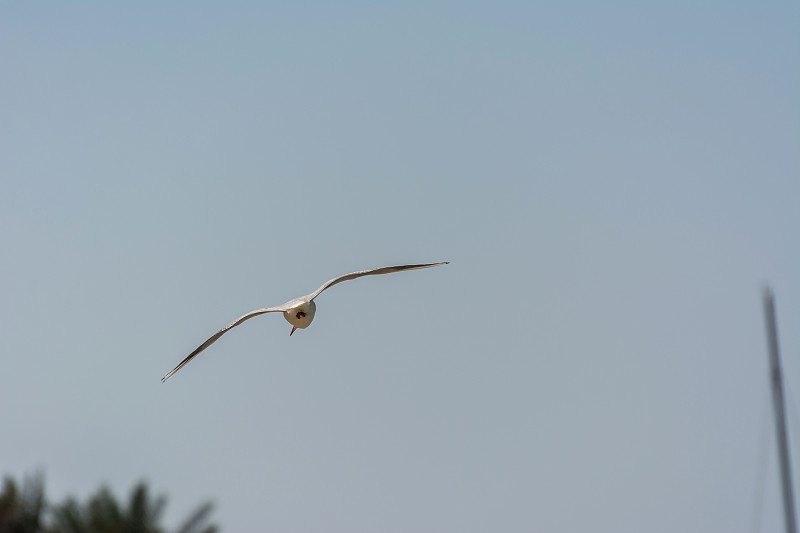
(25, 511)
(197, 522)
(21, 511)
(103, 514)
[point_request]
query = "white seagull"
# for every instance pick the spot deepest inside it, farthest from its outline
(298, 312)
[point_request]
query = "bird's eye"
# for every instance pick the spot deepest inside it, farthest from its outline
(300, 314)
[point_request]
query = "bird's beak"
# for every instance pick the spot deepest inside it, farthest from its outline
(294, 328)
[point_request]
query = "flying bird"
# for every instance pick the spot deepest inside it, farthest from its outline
(298, 312)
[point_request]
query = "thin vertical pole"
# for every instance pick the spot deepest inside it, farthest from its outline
(780, 414)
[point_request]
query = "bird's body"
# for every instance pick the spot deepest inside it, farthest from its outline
(299, 312)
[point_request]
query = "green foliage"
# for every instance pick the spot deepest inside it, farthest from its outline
(25, 511)
(21, 510)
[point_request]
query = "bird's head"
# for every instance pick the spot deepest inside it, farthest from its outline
(301, 316)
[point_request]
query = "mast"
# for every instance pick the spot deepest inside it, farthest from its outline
(780, 414)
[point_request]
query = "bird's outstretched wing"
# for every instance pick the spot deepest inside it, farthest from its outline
(219, 334)
(373, 272)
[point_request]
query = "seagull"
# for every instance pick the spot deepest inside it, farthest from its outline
(298, 312)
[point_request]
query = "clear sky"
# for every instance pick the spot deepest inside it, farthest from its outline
(613, 185)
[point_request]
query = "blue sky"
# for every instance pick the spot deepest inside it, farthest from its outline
(613, 185)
